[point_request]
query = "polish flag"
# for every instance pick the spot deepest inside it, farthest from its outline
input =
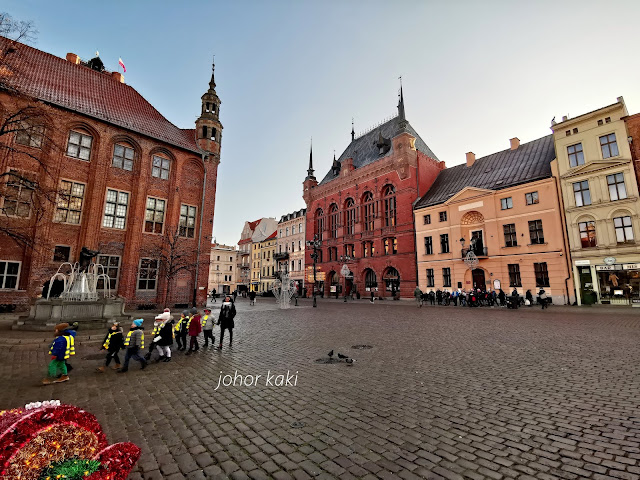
(121, 63)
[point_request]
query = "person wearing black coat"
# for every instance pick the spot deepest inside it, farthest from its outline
(164, 340)
(225, 320)
(113, 342)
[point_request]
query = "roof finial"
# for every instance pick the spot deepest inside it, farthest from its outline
(212, 83)
(401, 102)
(353, 132)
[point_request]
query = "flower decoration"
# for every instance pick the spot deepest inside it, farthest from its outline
(49, 440)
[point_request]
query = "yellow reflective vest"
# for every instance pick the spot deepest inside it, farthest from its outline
(128, 339)
(70, 348)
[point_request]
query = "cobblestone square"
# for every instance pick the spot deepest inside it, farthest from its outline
(445, 392)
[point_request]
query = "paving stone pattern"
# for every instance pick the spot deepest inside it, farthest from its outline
(445, 393)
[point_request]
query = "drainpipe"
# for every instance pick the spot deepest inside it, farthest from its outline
(204, 189)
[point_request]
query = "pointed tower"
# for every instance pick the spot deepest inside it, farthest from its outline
(353, 132)
(208, 126)
(402, 120)
(309, 182)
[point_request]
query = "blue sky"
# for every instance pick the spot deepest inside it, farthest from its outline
(475, 73)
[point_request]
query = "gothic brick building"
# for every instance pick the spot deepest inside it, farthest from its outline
(124, 180)
(362, 210)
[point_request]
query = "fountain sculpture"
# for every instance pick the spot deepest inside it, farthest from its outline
(284, 289)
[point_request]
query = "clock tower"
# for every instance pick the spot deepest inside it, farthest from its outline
(208, 126)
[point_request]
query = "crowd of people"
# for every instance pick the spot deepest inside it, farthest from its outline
(478, 298)
(166, 329)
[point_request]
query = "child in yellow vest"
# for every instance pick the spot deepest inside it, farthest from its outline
(134, 342)
(61, 349)
(207, 327)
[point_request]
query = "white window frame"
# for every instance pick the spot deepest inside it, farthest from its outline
(164, 216)
(157, 269)
(114, 216)
(3, 275)
(80, 146)
(186, 226)
(68, 209)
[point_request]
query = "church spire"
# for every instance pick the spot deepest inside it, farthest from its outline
(208, 126)
(310, 170)
(212, 83)
(401, 103)
(353, 132)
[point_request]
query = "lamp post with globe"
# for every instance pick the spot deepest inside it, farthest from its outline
(316, 243)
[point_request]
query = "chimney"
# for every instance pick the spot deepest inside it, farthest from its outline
(471, 158)
(564, 118)
(515, 143)
(118, 76)
(73, 58)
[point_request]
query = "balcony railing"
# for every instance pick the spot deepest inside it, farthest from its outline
(479, 252)
(281, 256)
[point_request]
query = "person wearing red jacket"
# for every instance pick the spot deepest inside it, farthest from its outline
(194, 328)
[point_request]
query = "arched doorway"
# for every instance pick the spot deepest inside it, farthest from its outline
(478, 279)
(391, 279)
(370, 280)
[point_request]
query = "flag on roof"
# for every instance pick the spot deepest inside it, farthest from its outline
(121, 63)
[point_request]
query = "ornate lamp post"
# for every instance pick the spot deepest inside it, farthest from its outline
(316, 243)
(345, 271)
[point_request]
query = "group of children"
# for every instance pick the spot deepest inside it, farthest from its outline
(190, 324)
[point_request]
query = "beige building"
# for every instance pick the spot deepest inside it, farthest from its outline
(248, 264)
(290, 247)
(222, 268)
(267, 250)
(600, 197)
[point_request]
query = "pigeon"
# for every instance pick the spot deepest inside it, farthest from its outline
(350, 361)
(330, 354)
(342, 356)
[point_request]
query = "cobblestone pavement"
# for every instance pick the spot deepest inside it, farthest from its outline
(444, 393)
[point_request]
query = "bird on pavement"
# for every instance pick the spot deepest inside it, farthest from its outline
(350, 361)
(330, 354)
(342, 356)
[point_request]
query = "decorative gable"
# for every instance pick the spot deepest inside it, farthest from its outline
(468, 193)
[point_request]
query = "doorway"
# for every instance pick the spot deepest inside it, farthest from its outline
(477, 276)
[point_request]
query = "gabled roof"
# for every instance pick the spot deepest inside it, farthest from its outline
(363, 149)
(80, 89)
(254, 224)
(272, 236)
(529, 162)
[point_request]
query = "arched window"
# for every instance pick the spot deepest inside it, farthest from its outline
(368, 211)
(392, 280)
(389, 195)
(319, 224)
(123, 156)
(333, 220)
(370, 280)
(349, 216)
(160, 167)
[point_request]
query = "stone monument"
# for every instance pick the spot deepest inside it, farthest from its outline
(72, 295)
(284, 289)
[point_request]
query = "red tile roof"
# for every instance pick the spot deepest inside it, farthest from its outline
(254, 224)
(80, 89)
(244, 240)
(273, 235)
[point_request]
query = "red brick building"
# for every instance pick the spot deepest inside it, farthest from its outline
(362, 209)
(124, 177)
(633, 129)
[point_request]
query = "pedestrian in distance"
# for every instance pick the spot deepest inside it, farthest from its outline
(373, 296)
(418, 294)
(164, 340)
(113, 342)
(61, 349)
(543, 299)
(528, 298)
(502, 297)
(213, 295)
(134, 342)
(207, 328)
(194, 327)
(225, 320)
(235, 295)
(252, 297)
(181, 329)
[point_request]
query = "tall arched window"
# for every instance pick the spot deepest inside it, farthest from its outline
(368, 211)
(319, 224)
(370, 280)
(349, 216)
(389, 195)
(333, 220)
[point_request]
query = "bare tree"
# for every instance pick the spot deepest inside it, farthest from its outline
(176, 257)
(27, 128)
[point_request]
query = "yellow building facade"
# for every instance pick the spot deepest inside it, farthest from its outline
(600, 199)
(267, 252)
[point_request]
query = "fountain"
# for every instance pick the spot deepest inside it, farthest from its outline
(284, 289)
(79, 300)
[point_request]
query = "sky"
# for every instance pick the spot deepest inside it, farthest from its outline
(474, 74)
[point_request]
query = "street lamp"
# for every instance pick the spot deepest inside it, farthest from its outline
(345, 259)
(316, 243)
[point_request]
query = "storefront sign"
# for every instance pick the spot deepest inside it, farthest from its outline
(608, 268)
(631, 266)
(580, 263)
(609, 260)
